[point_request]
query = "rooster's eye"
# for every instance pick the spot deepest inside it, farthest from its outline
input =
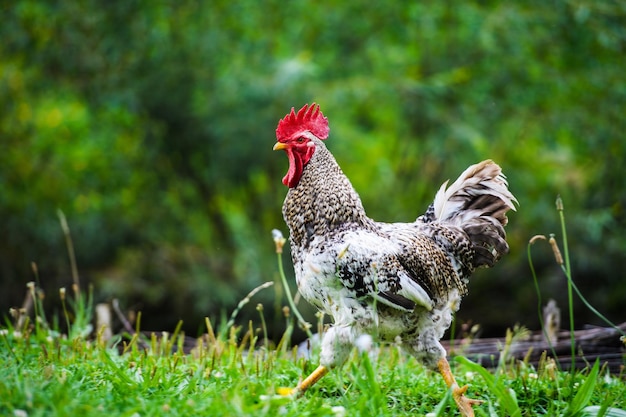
(300, 139)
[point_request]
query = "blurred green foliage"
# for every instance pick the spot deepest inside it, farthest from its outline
(150, 124)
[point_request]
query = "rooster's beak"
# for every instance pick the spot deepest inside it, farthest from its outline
(279, 146)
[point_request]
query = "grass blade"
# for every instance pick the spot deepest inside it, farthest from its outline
(584, 393)
(440, 410)
(596, 411)
(506, 399)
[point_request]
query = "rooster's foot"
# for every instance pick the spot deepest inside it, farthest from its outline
(463, 403)
(308, 382)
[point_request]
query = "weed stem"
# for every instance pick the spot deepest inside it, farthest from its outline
(568, 274)
(306, 326)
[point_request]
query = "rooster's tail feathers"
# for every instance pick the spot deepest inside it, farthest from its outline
(481, 190)
(478, 202)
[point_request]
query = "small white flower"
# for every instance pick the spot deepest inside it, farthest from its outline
(20, 413)
(338, 411)
(364, 343)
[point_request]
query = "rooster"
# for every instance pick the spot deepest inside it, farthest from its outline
(397, 281)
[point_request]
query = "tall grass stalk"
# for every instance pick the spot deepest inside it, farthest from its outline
(568, 274)
(259, 308)
(279, 240)
(538, 290)
(245, 301)
(70, 251)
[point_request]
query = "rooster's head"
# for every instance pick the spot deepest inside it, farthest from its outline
(295, 133)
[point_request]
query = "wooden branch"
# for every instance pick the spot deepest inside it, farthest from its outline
(592, 343)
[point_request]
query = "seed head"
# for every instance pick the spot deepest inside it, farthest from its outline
(279, 240)
(559, 203)
(556, 250)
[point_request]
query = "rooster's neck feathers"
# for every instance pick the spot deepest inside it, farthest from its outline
(323, 200)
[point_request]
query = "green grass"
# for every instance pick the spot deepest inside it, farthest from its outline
(46, 372)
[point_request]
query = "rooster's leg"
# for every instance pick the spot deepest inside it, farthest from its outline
(458, 393)
(336, 346)
(308, 382)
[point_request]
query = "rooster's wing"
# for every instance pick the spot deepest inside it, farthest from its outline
(401, 266)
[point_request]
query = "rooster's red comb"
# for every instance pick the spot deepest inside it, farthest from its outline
(308, 118)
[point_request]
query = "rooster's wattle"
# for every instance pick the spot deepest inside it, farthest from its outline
(392, 280)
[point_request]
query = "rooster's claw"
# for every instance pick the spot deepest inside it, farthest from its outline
(463, 403)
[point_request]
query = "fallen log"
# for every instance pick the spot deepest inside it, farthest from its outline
(603, 343)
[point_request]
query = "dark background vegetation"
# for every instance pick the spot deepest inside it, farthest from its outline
(151, 124)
